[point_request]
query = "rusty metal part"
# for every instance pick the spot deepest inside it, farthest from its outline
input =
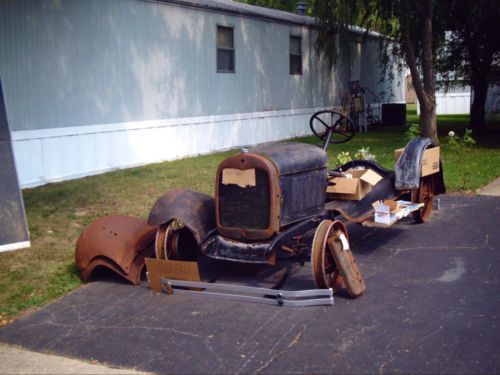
(348, 268)
(293, 157)
(290, 186)
(245, 161)
(160, 241)
(302, 170)
(324, 269)
(119, 243)
(424, 194)
(195, 210)
(175, 241)
(219, 247)
(332, 263)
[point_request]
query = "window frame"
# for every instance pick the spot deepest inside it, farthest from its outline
(295, 55)
(225, 49)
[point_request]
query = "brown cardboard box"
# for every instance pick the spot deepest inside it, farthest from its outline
(430, 160)
(354, 188)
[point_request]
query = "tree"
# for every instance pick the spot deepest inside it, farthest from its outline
(472, 51)
(415, 35)
(286, 5)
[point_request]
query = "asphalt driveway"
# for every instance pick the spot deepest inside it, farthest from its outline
(431, 306)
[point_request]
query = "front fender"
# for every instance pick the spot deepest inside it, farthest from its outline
(195, 210)
(409, 166)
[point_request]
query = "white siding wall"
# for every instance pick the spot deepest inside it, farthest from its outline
(94, 85)
(58, 154)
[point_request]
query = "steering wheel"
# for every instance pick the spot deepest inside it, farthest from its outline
(332, 127)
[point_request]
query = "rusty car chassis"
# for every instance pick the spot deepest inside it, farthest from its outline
(270, 204)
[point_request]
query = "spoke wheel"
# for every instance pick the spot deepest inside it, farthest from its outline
(326, 273)
(424, 194)
(332, 127)
(176, 242)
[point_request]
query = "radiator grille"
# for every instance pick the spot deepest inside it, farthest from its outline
(246, 208)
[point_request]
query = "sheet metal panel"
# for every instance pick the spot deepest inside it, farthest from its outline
(13, 224)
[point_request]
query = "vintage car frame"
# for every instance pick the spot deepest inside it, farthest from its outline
(285, 213)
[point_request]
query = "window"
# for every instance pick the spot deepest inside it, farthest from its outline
(295, 55)
(225, 50)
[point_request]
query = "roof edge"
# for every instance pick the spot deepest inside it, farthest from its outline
(256, 12)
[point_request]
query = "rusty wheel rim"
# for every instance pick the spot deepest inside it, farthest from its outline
(160, 241)
(424, 194)
(166, 242)
(325, 271)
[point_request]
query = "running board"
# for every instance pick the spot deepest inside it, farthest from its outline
(299, 298)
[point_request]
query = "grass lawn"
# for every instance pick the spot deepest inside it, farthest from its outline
(57, 213)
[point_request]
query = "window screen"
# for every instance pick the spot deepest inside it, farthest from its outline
(225, 50)
(295, 55)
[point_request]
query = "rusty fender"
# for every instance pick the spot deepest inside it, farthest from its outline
(119, 243)
(195, 210)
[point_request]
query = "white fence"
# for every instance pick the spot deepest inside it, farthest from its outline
(451, 103)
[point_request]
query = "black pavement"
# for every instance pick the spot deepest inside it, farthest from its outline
(431, 306)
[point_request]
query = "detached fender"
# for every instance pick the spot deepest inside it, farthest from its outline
(119, 243)
(409, 166)
(195, 210)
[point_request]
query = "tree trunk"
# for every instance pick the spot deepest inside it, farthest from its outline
(477, 113)
(425, 86)
(428, 125)
(479, 84)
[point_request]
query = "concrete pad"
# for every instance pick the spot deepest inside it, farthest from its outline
(492, 189)
(19, 361)
(431, 306)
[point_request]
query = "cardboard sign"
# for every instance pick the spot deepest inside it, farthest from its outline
(430, 160)
(241, 177)
(170, 269)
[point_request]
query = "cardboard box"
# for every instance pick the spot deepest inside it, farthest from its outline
(385, 217)
(354, 188)
(430, 160)
(382, 213)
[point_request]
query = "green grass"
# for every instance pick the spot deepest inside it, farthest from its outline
(57, 213)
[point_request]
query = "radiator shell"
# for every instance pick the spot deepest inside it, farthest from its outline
(296, 188)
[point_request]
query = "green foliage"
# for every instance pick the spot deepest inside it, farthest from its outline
(336, 18)
(460, 144)
(470, 55)
(364, 154)
(460, 147)
(286, 5)
(472, 41)
(413, 131)
(343, 157)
